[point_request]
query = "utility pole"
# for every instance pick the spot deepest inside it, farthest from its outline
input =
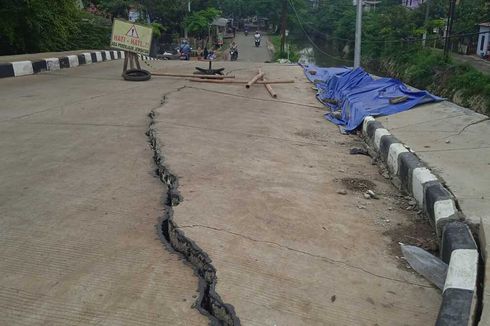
(284, 22)
(449, 28)
(357, 48)
(287, 44)
(426, 21)
(188, 11)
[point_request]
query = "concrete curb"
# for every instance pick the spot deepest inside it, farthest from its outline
(458, 248)
(23, 68)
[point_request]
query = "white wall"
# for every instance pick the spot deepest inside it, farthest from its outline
(483, 41)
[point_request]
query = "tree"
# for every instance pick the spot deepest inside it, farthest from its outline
(37, 25)
(198, 21)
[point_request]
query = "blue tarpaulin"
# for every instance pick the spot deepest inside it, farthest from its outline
(352, 95)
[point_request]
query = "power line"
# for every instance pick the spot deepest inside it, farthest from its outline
(454, 35)
(309, 38)
(385, 41)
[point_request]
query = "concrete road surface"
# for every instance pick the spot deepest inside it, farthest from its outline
(247, 50)
(260, 179)
(79, 203)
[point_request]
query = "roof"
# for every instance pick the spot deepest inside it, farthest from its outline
(220, 22)
(484, 24)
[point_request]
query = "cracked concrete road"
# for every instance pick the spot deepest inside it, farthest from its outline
(259, 178)
(79, 203)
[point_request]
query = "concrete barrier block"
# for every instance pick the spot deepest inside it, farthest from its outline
(22, 68)
(459, 250)
(393, 154)
(380, 132)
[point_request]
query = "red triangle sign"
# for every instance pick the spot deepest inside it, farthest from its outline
(133, 32)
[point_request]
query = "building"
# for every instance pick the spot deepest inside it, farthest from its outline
(370, 5)
(483, 47)
(412, 4)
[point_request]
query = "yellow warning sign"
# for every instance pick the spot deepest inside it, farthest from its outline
(131, 37)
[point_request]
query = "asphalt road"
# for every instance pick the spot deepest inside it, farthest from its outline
(248, 52)
(79, 203)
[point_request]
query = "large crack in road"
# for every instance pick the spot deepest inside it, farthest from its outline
(209, 303)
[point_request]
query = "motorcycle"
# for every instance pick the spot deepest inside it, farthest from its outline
(184, 56)
(233, 55)
(257, 42)
(246, 33)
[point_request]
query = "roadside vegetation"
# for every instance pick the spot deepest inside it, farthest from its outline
(392, 35)
(294, 55)
(392, 40)
(30, 26)
(392, 44)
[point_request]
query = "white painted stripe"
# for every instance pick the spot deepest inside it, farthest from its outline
(462, 270)
(121, 54)
(365, 123)
(73, 59)
(420, 176)
(114, 53)
(392, 161)
(88, 58)
(52, 64)
(22, 68)
(380, 132)
(107, 55)
(444, 209)
(98, 56)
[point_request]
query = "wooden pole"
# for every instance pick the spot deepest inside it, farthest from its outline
(284, 22)
(255, 79)
(126, 58)
(131, 60)
(190, 75)
(240, 81)
(269, 89)
(137, 61)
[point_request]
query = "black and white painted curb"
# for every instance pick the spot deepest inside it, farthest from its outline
(147, 58)
(458, 248)
(23, 68)
(415, 178)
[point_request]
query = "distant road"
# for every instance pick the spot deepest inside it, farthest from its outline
(248, 52)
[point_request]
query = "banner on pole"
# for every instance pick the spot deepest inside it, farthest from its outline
(131, 37)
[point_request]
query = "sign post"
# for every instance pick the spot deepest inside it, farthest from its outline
(133, 39)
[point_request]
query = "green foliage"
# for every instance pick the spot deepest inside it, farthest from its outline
(117, 8)
(426, 68)
(37, 25)
(49, 25)
(158, 29)
(93, 32)
(198, 22)
(294, 55)
(471, 83)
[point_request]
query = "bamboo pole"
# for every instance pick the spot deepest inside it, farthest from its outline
(161, 74)
(269, 88)
(255, 79)
(198, 80)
